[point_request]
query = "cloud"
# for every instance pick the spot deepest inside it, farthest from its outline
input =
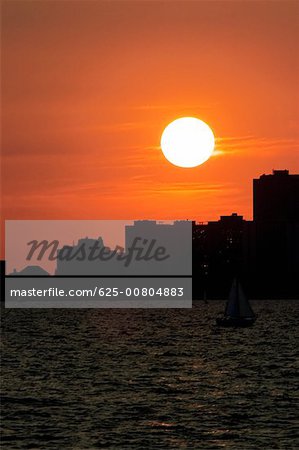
(144, 183)
(245, 145)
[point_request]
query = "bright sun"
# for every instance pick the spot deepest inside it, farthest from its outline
(187, 142)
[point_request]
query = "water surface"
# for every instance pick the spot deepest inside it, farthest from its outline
(149, 379)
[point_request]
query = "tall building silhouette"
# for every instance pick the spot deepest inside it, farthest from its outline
(276, 221)
(276, 197)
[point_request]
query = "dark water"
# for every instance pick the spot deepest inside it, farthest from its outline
(149, 379)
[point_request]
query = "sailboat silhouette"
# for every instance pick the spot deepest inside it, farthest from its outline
(238, 312)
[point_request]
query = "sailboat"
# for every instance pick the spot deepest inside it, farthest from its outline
(238, 312)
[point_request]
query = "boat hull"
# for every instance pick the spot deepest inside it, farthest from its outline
(235, 322)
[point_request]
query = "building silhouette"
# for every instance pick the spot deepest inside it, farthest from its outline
(276, 197)
(222, 250)
(176, 237)
(276, 221)
(29, 271)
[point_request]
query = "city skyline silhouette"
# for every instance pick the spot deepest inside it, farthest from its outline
(263, 252)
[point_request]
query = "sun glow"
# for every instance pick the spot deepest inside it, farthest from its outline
(187, 142)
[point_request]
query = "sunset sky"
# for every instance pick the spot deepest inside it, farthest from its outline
(89, 86)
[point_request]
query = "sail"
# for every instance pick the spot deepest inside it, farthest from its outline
(232, 305)
(245, 309)
(238, 305)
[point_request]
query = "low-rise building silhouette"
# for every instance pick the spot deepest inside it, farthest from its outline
(222, 250)
(33, 271)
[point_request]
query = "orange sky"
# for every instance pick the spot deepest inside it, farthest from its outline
(88, 87)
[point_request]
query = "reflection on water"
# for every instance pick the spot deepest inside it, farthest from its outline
(149, 379)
